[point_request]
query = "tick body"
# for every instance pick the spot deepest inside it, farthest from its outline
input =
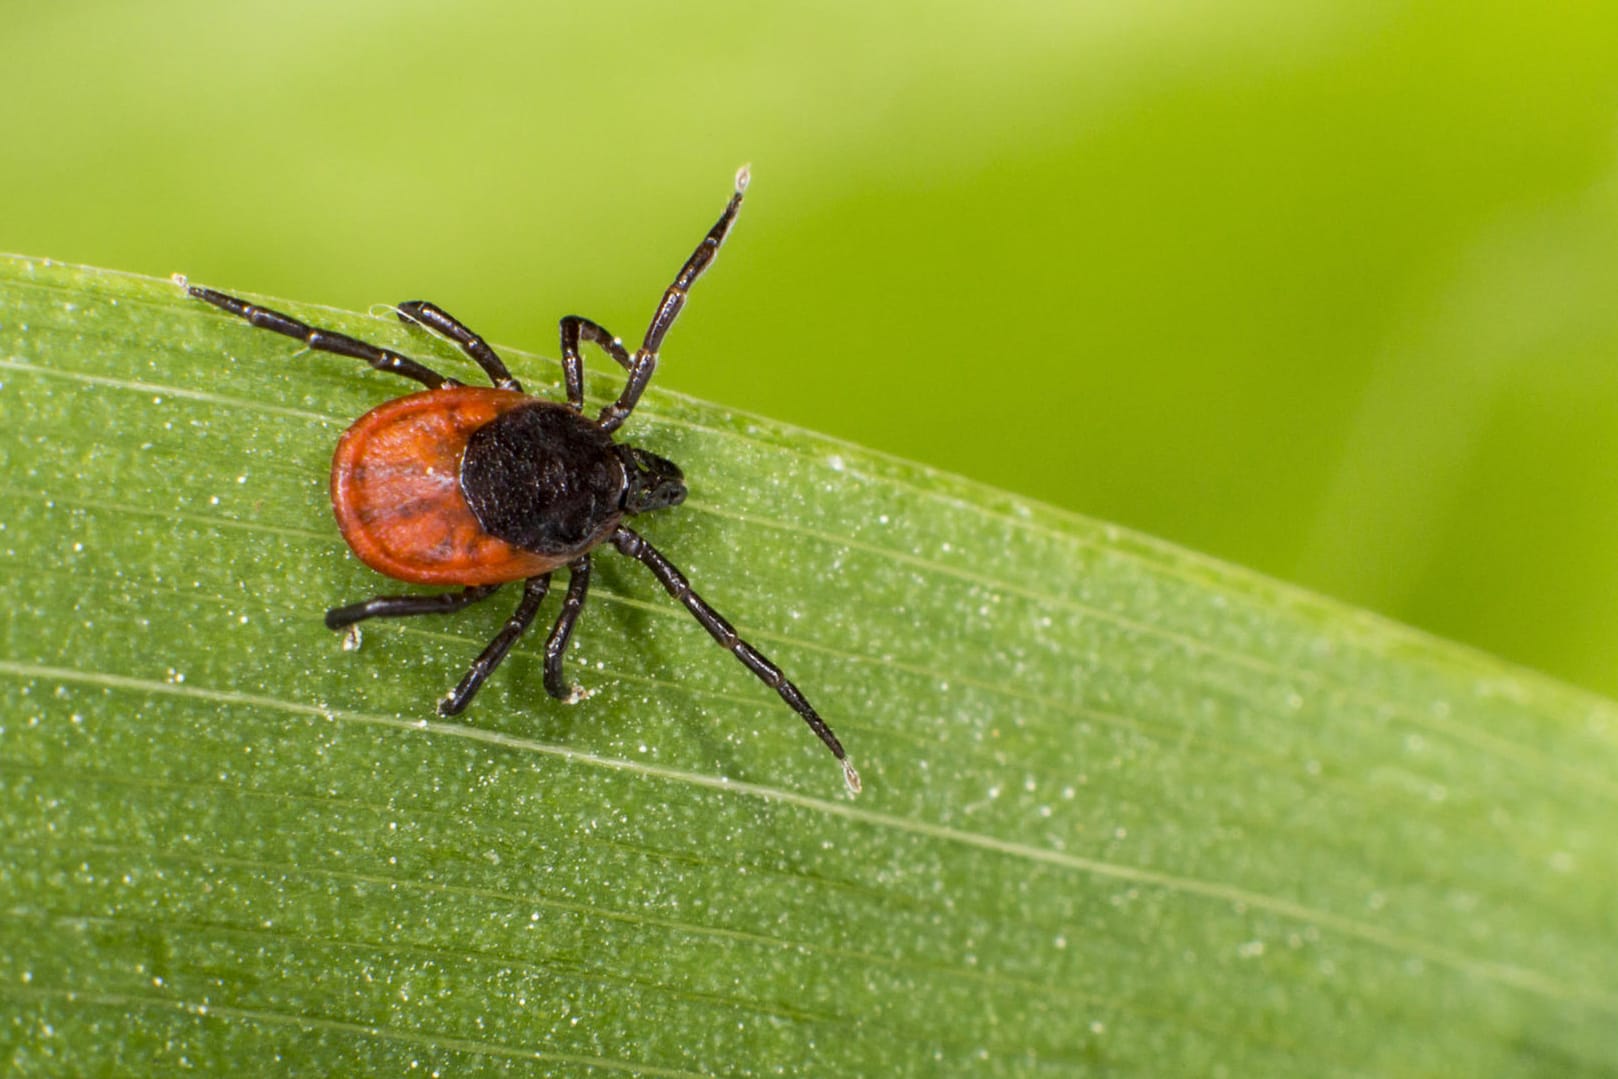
(479, 488)
(471, 486)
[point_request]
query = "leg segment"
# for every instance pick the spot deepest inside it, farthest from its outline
(578, 584)
(403, 606)
(631, 544)
(324, 340)
(438, 320)
(645, 359)
(533, 594)
(574, 330)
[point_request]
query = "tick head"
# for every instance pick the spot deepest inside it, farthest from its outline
(654, 482)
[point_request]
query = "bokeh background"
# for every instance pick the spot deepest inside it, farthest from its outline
(1329, 290)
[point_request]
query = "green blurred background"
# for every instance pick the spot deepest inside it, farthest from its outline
(1326, 290)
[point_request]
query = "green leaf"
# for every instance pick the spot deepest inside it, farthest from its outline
(1125, 809)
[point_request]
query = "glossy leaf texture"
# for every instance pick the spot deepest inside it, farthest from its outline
(1126, 810)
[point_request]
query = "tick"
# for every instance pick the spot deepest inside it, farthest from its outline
(480, 488)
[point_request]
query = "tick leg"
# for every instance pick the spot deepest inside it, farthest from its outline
(404, 606)
(645, 359)
(324, 340)
(533, 593)
(438, 320)
(574, 330)
(631, 544)
(578, 584)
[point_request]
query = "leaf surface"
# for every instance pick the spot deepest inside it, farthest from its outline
(1126, 809)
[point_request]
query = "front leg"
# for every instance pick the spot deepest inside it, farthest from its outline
(674, 582)
(644, 362)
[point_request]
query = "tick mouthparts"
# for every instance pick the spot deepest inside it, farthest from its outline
(851, 777)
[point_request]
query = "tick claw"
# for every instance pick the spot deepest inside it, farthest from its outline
(851, 777)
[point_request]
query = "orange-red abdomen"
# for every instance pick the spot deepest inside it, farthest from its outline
(396, 491)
